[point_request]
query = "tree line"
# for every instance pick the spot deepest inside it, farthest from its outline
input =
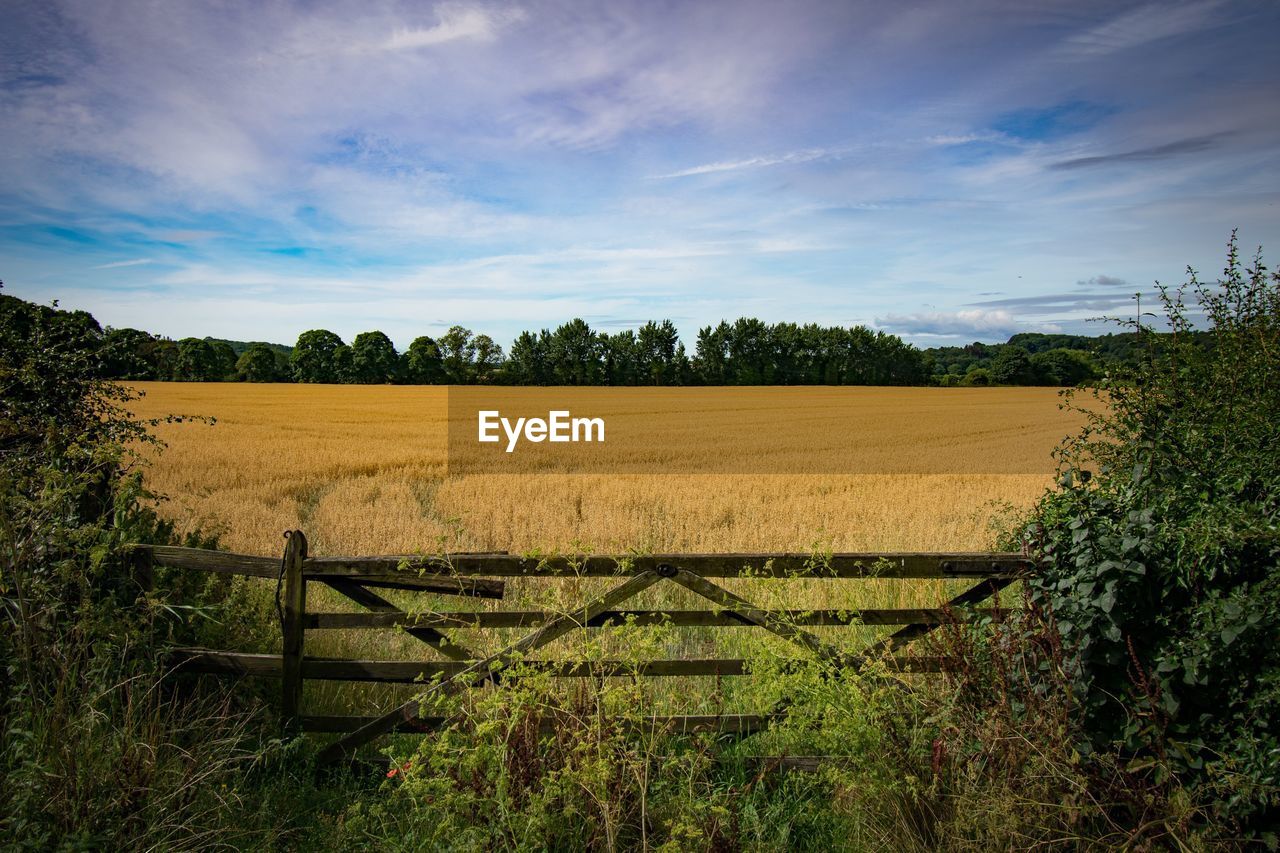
(748, 351)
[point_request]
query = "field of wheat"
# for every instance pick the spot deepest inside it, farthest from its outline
(362, 470)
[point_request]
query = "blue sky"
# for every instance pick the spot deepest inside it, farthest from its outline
(945, 171)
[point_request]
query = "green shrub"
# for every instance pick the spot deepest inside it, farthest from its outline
(97, 750)
(1162, 567)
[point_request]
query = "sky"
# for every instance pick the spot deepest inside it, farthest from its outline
(948, 172)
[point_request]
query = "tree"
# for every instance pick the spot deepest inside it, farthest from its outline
(488, 358)
(711, 355)
(656, 348)
(198, 361)
(1063, 367)
(458, 355)
(1012, 366)
(129, 354)
(621, 358)
(422, 362)
(374, 360)
(576, 354)
(319, 357)
(527, 363)
(224, 358)
(257, 364)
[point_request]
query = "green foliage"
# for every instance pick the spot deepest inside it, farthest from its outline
(1012, 366)
(374, 360)
(320, 356)
(1065, 368)
(422, 362)
(536, 766)
(97, 752)
(199, 361)
(1163, 569)
(258, 364)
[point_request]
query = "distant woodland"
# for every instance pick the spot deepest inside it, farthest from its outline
(745, 352)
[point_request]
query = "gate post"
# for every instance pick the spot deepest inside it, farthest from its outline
(293, 627)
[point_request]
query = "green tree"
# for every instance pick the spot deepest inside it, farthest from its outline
(1063, 367)
(422, 362)
(1012, 366)
(711, 355)
(374, 360)
(129, 355)
(527, 363)
(621, 358)
(458, 355)
(657, 346)
(488, 359)
(319, 357)
(576, 354)
(257, 364)
(198, 361)
(224, 358)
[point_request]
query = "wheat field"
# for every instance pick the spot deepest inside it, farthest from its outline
(361, 469)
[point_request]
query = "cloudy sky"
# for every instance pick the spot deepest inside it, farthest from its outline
(946, 171)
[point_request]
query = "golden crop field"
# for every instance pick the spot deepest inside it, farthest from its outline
(361, 470)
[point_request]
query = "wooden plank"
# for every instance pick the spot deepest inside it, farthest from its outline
(412, 581)
(484, 670)
(485, 619)
(764, 618)
(499, 564)
(684, 724)
(225, 663)
(978, 592)
(293, 609)
(848, 565)
(408, 672)
(204, 560)
(427, 634)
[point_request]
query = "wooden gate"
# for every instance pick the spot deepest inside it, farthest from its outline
(482, 575)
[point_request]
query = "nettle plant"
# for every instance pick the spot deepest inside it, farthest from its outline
(1162, 547)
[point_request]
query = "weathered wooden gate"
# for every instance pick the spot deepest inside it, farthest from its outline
(481, 575)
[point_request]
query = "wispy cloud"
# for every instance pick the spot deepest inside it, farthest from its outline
(974, 323)
(136, 262)
(456, 23)
(1191, 145)
(1143, 25)
(807, 156)
(1059, 303)
(1100, 281)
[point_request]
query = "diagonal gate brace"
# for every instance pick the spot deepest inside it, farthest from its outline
(485, 670)
(361, 595)
(974, 594)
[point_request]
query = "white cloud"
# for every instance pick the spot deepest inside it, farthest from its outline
(136, 262)
(974, 322)
(456, 23)
(806, 156)
(1141, 26)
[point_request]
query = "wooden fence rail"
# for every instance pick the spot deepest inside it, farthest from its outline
(482, 575)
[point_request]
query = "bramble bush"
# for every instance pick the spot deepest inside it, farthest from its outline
(1161, 550)
(96, 750)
